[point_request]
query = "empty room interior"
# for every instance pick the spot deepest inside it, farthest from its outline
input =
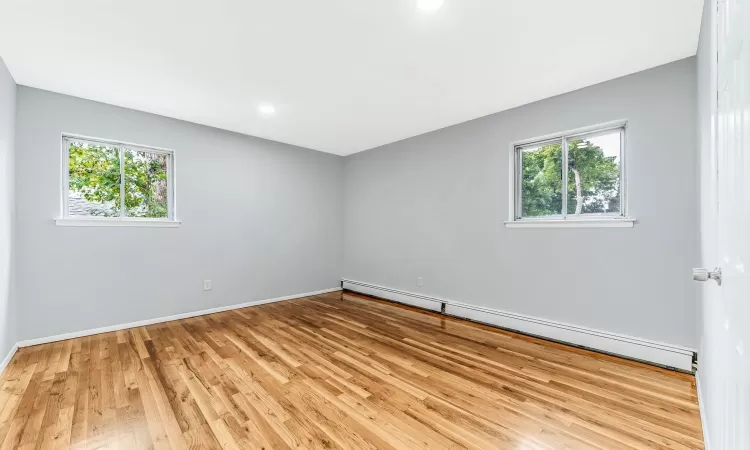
(393, 224)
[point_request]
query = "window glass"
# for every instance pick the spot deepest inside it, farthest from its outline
(590, 185)
(97, 185)
(594, 174)
(146, 193)
(541, 179)
(93, 180)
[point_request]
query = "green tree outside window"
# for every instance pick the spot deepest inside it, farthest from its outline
(94, 175)
(593, 179)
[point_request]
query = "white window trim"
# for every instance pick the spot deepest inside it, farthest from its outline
(68, 221)
(617, 220)
(116, 222)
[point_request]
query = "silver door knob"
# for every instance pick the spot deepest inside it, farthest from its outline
(705, 275)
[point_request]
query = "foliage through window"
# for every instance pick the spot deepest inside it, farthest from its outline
(590, 186)
(111, 180)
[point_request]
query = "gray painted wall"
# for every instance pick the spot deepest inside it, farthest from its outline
(7, 210)
(710, 320)
(260, 219)
(434, 206)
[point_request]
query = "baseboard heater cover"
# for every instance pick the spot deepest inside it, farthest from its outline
(394, 295)
(668, 355)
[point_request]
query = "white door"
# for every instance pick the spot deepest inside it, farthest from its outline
(733, 222)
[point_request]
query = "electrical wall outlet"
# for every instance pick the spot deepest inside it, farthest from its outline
(420, 281)
(206, 285)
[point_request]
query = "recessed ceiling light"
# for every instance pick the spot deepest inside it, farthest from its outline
(429, 5)
(266, 109)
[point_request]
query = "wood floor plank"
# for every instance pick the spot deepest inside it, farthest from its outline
(337, 371)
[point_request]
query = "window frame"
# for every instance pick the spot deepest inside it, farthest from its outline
(66, 219)
(564, 219)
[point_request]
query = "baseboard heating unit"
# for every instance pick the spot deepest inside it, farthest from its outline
(658, 353)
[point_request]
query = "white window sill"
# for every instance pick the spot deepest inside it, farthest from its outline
(620, 222)
(115, 222)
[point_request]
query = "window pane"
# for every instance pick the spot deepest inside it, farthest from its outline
(94, 180)
(145, 184)
(541, 183)
(594, 174)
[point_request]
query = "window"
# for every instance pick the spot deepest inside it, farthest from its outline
(111, 183)
(591, 188)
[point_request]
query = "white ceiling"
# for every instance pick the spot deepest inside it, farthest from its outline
(343, 75)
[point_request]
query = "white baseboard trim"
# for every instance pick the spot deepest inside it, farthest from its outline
(617, 344)
(8, 357)
(702, 408)
(141, 323)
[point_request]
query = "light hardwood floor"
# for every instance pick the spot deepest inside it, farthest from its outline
(337, 371)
